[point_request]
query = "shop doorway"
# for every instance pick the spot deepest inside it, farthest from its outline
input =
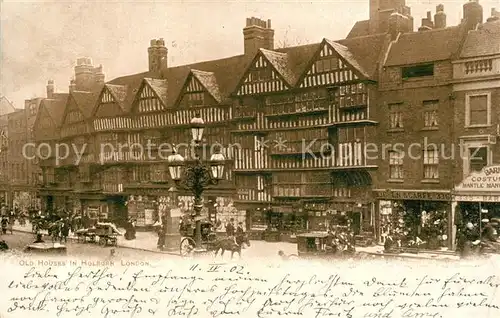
(356, 218)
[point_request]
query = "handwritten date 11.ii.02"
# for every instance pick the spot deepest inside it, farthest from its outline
(220, 268)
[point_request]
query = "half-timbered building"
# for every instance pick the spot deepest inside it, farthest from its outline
(55, 191)
(303, 118)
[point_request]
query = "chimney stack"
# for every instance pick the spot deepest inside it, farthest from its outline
(72, 86)
(473, 14)
(157, 57)
(440, 17)
(495, 15)
(398, 23)
(257, 34)
(50, 89)
(427, 23)
(87, 76)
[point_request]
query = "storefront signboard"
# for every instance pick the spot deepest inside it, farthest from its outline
(412, 195)
(488, 180)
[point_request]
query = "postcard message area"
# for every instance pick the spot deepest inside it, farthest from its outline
(181, 288)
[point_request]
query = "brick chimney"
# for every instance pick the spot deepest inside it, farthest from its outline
(440, 17)
(50, 89)
(398, 23)
(87, 77)
(72, 86)
(427, 23)
(257, 34)
(473, 14)
(495, 15)
(157, 56)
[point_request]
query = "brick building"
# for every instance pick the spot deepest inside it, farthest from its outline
(294, 123)
(476, 95)
(6, 108)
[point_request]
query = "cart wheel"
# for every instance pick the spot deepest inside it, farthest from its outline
(187, 246)
(293, 256)
(102, 241)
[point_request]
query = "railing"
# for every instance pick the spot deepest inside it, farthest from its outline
(301, 147)
(478, 66)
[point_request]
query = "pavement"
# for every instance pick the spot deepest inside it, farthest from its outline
(146, 241)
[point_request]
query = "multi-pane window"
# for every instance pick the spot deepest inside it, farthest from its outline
(326, 65)
(478, 158)
(395, 165)
(431, 164)
(395, 116)
(477, 110)
(430, 113)
(261, 74)
(418, 71)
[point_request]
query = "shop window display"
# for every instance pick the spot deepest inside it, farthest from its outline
(416, 224)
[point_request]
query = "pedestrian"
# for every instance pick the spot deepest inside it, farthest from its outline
(230, 227)
(240, 233)
(161, 237)
(65, 230)
(4, 225)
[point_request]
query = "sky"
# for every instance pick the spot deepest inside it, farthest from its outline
(41, 40)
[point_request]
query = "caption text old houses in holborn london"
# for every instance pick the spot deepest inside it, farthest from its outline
(295, 123)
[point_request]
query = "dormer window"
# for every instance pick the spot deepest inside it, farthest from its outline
(326, 64)
(193, 99)
(418, 71)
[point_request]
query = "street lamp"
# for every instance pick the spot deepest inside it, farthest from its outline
(196, 176)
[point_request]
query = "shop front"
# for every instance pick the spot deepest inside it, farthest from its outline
(144, 210)
(419, 219)
(477, 198)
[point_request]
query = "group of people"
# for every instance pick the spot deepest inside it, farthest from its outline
(236, 231)
(470, 238)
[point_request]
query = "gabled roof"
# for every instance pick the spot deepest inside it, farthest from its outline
(482, 42)
(209, 81)
(85, 101)
(347, 55)
(119, 93)
(6, 106)
(160, 87)
(281, 64)
(366, 50)
(425, 46)
(55, 107)
(360, 28)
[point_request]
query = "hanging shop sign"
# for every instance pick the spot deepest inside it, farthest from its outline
(412, 195)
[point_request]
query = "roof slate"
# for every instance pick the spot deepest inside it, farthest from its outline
(280, 62)
(425, 46)
(160, 87)
(85, 101)
(221, 77)
(482, 42)
(209, 81)
(360, 28)
(55, 107)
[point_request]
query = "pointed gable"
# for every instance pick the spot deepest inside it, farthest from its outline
(209, 82)
(49, 117)
(151, 96)
(262, 75)
(332, 64)
(111, 101)
(85, 101)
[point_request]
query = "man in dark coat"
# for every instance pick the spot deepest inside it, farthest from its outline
(230, 227)
(240, 234)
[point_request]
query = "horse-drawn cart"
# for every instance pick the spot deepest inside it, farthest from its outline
(322, 245)
(188, 232)
(102, 233)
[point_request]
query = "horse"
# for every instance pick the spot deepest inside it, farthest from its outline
(229, 244)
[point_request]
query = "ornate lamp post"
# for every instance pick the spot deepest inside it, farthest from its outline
(196, 175)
